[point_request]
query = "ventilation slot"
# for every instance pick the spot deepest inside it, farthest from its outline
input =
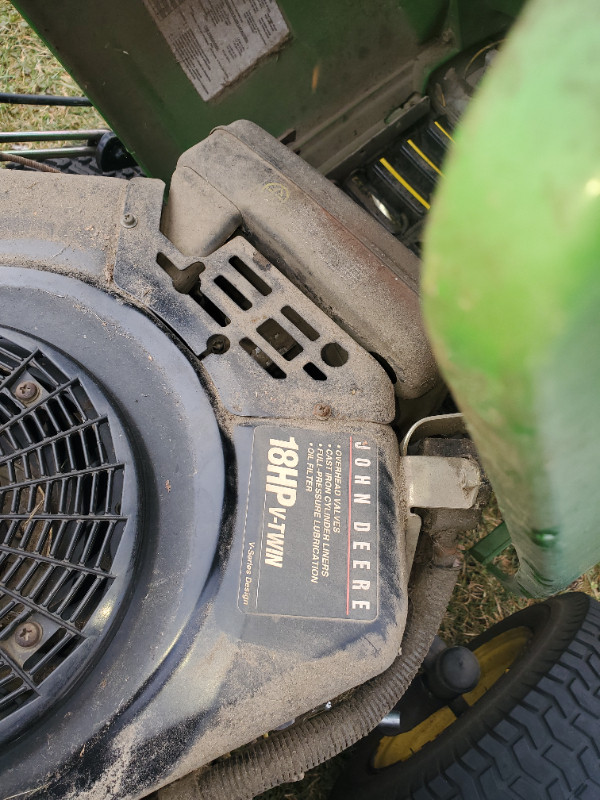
(213, 311)
(300, 323)
(14, 691)
(11, 356)
(279, 339)
(314, 372)
(251, 276)
(45, 660)
(232, 292)
(183, 279)
(262, 359)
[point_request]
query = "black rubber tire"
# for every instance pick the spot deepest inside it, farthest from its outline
(86, 165)
(535, 735)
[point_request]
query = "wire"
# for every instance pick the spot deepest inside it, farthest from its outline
(479, 53)
(26, 162)
(42, 100)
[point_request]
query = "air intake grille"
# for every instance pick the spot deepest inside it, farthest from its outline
(268, 348)
(61, 521)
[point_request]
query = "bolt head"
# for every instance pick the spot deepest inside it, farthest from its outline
(28, 634)
(128, 220)
(217, 343)
(322, 410)
(27, 391)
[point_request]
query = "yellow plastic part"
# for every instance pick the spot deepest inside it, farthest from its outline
(495, 659)
(385, 163)
(400, 748)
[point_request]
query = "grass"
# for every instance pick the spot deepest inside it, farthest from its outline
(479, 600)
(28, 67)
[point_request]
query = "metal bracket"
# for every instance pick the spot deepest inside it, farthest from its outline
(489, 548)
(439, 425)
(436, 482)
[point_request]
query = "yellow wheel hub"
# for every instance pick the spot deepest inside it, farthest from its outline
(495, 659)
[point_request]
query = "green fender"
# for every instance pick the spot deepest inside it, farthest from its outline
(511, 286)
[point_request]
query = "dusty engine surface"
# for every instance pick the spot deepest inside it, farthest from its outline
(202, 514)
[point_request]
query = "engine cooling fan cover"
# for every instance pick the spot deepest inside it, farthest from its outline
(102, 489)
(68, 514)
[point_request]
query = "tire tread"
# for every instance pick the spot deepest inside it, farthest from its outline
(546, 747)
(535, 738)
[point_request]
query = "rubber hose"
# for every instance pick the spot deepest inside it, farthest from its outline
(286, 755)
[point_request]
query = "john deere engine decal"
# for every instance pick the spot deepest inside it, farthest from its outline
(311, 533)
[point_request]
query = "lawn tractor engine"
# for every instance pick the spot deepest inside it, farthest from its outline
(205, 521)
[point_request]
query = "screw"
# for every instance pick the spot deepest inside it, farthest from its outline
(217, 344)
(28, 634)
(128, 221)
(27, 391)
(322, 410)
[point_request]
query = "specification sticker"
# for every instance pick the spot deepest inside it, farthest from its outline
(216, 41)
(311, 528)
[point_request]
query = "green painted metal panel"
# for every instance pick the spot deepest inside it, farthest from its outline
(338, 53)
(425, 18)
(512, 286)
(346, 67)
(473, 21)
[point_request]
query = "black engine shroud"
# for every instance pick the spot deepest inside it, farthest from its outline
(201, 506)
